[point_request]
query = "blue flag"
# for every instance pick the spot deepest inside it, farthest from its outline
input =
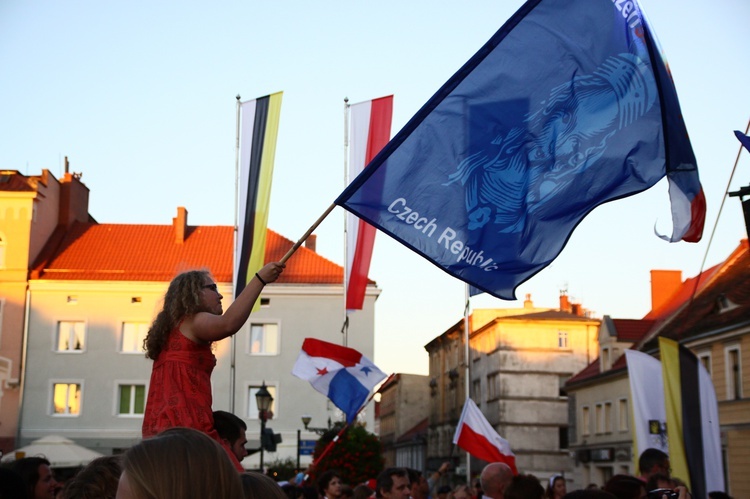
(569, 105)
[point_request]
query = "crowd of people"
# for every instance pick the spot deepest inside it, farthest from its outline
(186, 463)
(189, 451)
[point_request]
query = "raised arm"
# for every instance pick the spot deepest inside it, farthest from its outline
(207, 327)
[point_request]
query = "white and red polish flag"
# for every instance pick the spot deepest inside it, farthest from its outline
(370, 131)
(475, 435)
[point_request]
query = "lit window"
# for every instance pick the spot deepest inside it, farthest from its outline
(132, 399)
(133, 334)
(66, 399)
(252, 404)
(71, 336)
(264, 339)
(562, 339)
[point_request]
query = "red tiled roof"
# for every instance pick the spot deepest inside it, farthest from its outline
(91, 251)
(632, 329)
(12, 181)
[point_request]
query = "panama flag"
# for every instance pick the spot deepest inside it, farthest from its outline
(260, 126)
(475, 435)
(568, 106)
(342, 374)
(744, 139)
(692, 420)
(370, 131)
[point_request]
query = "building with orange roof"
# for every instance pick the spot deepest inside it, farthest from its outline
(709, 314)
(78, 297)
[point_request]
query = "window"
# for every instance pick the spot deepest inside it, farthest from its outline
(705, 358)
(622, 415)
(66, 399)
(252, 405)
(493, 386)
(476, 390)
(562, 339)
(2, 252)
(133, 334)
(264, 339)
(734, 372)
(71, 336)
(606, 359)
(585, 420)
(132, 399)
(563, 437)
(599, 415)
(608, 417)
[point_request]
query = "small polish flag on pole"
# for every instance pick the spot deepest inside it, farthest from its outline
(475, 435)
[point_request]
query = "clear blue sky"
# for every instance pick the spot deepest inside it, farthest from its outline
(140, 95)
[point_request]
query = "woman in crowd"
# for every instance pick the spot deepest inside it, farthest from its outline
(329, 485)
(179, 343)
(37, 477)
(179, 462)
(556, 487)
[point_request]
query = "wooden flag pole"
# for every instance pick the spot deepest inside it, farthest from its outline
(307, 234)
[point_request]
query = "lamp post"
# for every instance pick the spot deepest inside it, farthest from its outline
(320, 431)
(263, 399)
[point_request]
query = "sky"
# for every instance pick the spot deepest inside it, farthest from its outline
(141, 97)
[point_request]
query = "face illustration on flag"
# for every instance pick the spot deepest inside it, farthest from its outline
(568, 106)
(342, 374)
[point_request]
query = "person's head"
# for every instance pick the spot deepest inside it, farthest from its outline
(476, 487)
(659, 481)
(178, 462)
(37, 477)
(418, 484)
(443, 491)
(556, 487)
(97, 480)
(346, 492)
(589, 494)
(462, 492)
(11, 484)
(718, 495)
(329, 484)
(393, 483)
(362, 491)
(259, 486)
(495, 477)
(232, 430)
(653, 461)
(625, 487)
(524, 487)
(188, 293)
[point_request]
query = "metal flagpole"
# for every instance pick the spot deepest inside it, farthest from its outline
(345, 327)
(233, 346)
(467, 363)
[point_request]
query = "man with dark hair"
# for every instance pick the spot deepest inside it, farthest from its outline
(524, 487)
(653, 461)
(232, 430)
(393, 483)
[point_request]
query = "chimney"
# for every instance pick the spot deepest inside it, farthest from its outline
(527, 303)
(179, 223)
(311, 241)
(74, 198)
(564, 302)
(664, 284)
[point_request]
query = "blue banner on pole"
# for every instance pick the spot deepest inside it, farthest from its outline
(568, 106)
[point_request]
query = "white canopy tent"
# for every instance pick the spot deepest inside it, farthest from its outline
(59, 451)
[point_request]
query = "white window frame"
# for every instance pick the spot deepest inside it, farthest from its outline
(251, 408)
(277, 345)
(55, 382)
(623, 414)
(563, 339)
(139, 346)
(705, 359)
(119, 384)
(730, 382)
(585, 421)
(56, 337)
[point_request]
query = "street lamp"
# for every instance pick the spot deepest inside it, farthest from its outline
(320, 431)
(263, 399)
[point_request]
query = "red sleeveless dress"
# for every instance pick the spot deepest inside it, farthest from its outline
(179, 393)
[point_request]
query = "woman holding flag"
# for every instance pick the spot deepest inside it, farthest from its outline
(179, 341)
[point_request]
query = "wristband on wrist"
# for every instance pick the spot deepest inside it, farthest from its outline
(260, 278)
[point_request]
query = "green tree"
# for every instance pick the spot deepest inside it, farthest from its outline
(282, 469)
(357, 456)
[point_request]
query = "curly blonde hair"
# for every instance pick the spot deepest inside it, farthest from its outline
(181, 300)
